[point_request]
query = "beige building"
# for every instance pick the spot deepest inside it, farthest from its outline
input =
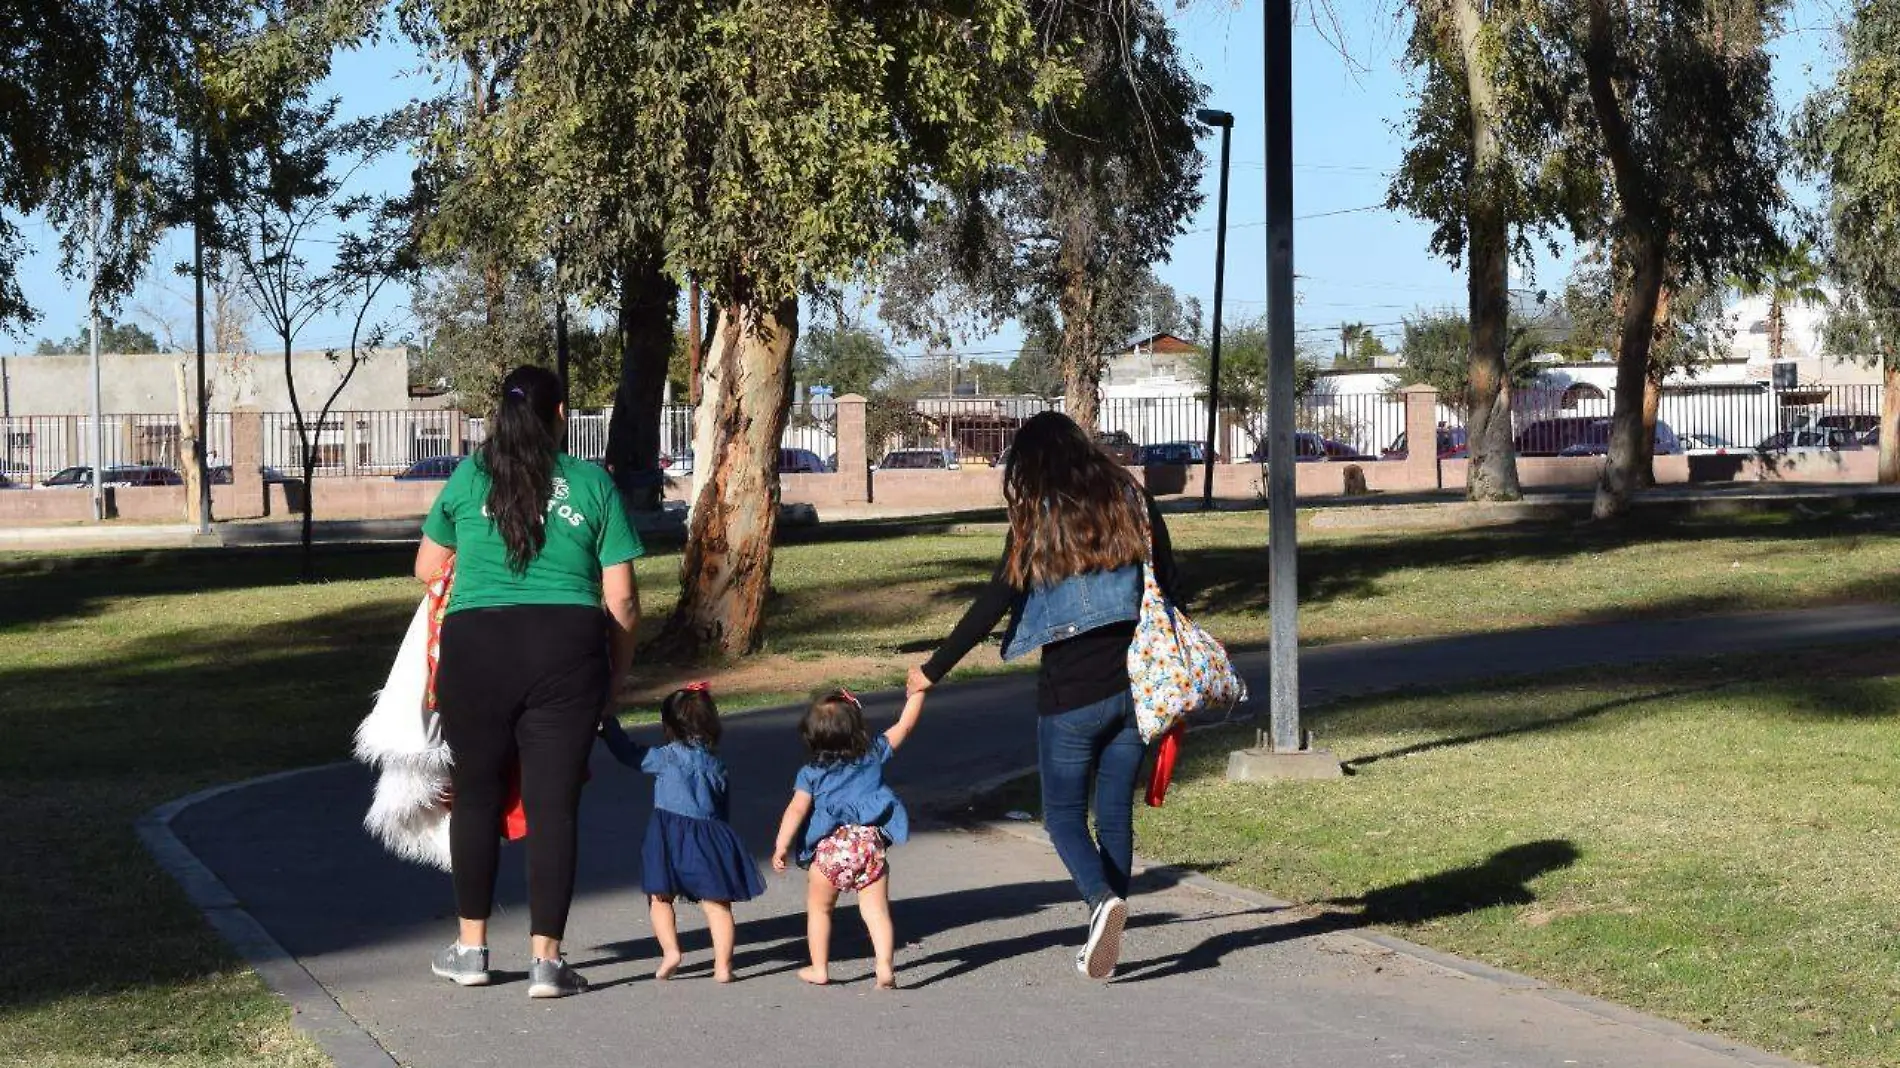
(147, 383)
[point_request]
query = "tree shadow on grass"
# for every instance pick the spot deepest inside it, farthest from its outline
(1231, 579)
(46, 588)
(1502, 879)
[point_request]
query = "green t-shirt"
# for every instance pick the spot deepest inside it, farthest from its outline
(587, 530)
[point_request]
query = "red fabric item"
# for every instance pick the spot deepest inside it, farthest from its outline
(514, 816)
(1167, 750)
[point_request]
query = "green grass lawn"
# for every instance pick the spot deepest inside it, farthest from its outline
(129, 679)
(1715, 842)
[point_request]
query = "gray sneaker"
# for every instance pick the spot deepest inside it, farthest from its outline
(462, 965)
(554, 979)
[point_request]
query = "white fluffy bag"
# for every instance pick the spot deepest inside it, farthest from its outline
(402, 739)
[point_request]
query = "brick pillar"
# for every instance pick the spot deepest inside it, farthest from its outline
(853, 458)
(247, 462)
(1421, 437)
(351, 439)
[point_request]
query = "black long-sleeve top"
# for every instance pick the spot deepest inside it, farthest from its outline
(1090, 667)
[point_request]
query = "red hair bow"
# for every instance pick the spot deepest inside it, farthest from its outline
(699, 686)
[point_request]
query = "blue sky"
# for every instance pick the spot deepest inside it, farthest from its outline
(1365, 266)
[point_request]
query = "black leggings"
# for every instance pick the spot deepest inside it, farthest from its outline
(529, 682)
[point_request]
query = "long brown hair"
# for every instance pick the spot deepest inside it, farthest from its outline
(1072, 508)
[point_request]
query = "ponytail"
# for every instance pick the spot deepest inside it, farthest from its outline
(524, 439)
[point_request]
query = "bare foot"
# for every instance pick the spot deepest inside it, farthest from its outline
(668, 965)
(815, 975)
(886, 979)
(722, 975)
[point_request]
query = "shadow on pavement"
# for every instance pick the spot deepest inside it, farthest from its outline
(1503, 878)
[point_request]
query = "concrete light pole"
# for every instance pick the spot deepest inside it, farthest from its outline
(1225, 121)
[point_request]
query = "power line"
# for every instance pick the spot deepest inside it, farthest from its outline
(1296, 218)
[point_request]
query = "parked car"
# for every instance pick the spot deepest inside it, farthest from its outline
(1871, 439)
(1809, 439)
(919, 460)
(1119, 446)
(1856, 425)
(1453, 444)
(433, 469)
(1705, 444)
(221, 476)
(1584, 435)
(7, 483)
(1172, 453)
(126, 476)
(800, 462)
(1309, 447)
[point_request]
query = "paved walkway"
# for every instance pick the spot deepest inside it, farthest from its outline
(986, 919)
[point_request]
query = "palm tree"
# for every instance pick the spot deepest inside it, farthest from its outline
(1793, 277)
(1349, 335)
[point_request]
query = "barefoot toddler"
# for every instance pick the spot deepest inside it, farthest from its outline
(690, 849)
(850, 817)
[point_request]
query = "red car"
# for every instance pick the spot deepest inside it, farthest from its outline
(1452, 445)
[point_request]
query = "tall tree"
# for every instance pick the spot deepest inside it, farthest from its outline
(1482, 167)
(1792, 277)
(1846, 138)
(1073, 235)
(774, 147)
(1677, 105)
(298, 194)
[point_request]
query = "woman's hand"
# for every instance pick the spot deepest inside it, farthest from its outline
(779, 859)
(918, 682)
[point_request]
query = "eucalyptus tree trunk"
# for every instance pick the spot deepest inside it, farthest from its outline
(649, 298)
(1625, 470)
(1646, 442)
(745, 399)
(1081, 350)
(1647, 245)
(1491, 474)
(1889, 419)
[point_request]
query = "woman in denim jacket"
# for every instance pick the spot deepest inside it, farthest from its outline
(1070, 581)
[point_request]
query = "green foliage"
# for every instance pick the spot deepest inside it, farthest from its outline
(1244, 371)
(770, 146)
(1690, 330)
(1437, 353)
(1535, 185)
(1071, 237)
(849, 359)
(1845, 137)
(477, 337)
(95, 125)
(1359, 348)
(114, 337)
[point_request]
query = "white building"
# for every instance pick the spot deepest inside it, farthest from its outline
(147, 383)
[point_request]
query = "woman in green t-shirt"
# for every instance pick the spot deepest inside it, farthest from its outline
(541, 545)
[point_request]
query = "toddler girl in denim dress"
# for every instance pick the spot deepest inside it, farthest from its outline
(850, 816)
(690, 850)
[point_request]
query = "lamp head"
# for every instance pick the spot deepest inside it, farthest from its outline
(1213, 117)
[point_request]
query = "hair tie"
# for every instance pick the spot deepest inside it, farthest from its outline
(851, 697)
(697, 686)
(517, 391)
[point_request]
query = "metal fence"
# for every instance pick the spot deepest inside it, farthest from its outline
(34, 448)
(1743, 416)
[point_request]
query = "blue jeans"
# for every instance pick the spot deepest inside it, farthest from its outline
(1092, 749)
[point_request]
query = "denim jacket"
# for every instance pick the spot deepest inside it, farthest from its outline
(1076, 605)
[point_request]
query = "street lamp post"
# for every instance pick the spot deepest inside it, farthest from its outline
(1224, 120)
(1282, 750)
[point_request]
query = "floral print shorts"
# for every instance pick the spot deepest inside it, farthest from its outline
(851, 857)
